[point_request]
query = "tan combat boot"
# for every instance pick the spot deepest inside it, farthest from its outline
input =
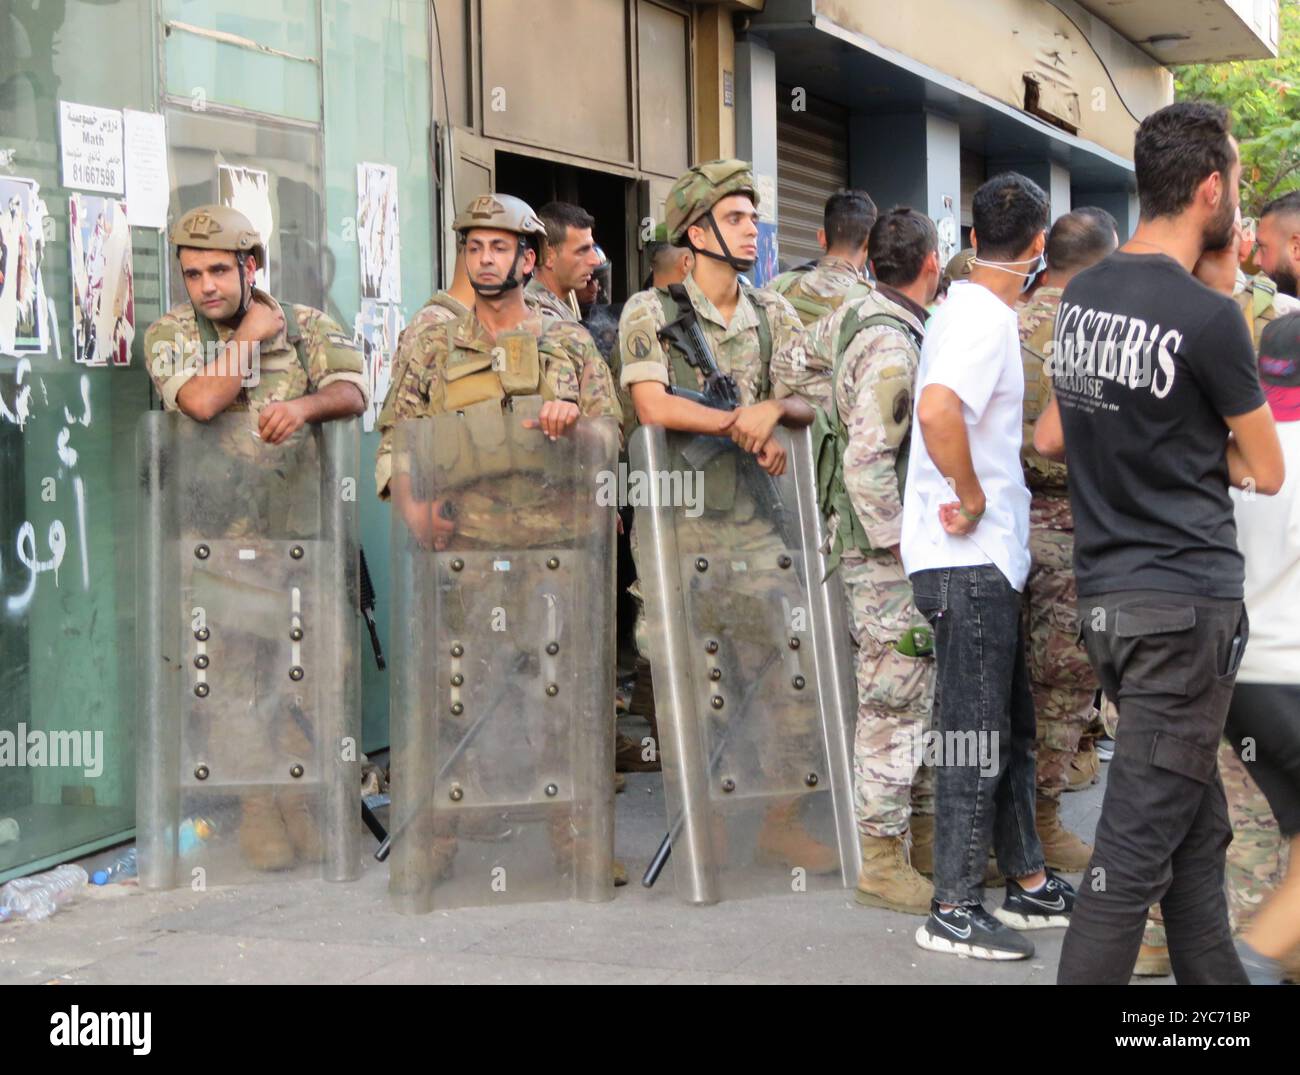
(300, 823)
(262, 837)
(888, 880)
(1153, 956)
(1062, 850)
(923, 844)
(784, 841)
(1085, 770)
(923, 853)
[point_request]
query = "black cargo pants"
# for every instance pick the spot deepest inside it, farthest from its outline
(1169, 662)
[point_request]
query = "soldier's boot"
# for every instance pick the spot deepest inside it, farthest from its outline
(923, 844)
(1153, 956)
(300, 823)
(923, 853)
(1085, 770)
(888, 880)
(262, 836)
(783, 841)
(1062, 850)
(629, 757)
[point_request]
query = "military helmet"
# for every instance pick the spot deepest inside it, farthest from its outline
(700, 189)
(959, 266)
(502, 211)
(218, 227)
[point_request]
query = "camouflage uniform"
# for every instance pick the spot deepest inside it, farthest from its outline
(331, 355)
(569, 368)
(737, 349)
(1062, 679)
(547, 302)
(873, 397)
(819, 291)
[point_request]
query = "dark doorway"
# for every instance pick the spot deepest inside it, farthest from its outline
(611, 199)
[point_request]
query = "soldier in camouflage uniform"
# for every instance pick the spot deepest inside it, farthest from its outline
(862, 362)
(569, 257)
(1062, 679)
(846, 225)
(500, 348)
(449, 364)
(304, 369)
(712, 209)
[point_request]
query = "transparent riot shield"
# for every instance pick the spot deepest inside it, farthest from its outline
(249, 738)
(752, 667)
(503, 689)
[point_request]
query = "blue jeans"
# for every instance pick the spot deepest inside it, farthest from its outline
(982, 698)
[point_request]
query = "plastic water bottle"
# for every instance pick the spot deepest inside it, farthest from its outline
(194, 832)
(35, 898)
(122, 867)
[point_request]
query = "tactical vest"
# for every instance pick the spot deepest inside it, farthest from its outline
(809, 306)
(1045, 477)
(513, 367)
(720, 478)
(831, 438)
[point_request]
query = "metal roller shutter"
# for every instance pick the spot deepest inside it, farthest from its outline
(812, 160)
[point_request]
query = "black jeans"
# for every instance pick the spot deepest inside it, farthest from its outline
(982, 694)
(1168, 661)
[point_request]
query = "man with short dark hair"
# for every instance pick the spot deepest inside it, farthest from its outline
(1279, 241)
(569, 257)
(668, 264)
(1158, 405)
(846, 228)
(1063, 682)
(965, 545)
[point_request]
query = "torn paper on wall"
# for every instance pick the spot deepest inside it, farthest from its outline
(378, 327)
(377, 232)
(23, 326)
(103, 290)
(249, 191)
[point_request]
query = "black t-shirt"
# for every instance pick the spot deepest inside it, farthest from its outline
(1147, 362)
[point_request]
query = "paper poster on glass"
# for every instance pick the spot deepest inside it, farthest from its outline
(377, 232)
(103, 288)
(378, 327)
(23, 325)
(249, 191)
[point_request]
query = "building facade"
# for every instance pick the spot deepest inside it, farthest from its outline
(602, 102)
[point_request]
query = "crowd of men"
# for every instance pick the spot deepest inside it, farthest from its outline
(1028, 508)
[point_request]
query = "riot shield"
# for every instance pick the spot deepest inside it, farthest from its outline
(503, 689)
(752, 667)
(249, 740)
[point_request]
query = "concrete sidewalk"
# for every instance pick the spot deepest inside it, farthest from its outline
(313, 932)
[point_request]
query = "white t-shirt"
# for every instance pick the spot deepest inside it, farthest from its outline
(1268, 534)
(972, 346)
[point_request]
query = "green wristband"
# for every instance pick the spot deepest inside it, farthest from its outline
(968, 516)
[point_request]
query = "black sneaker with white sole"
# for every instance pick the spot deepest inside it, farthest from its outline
(1047, 908)
(971, 931)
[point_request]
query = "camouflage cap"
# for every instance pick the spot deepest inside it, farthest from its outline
(501, 211)
(700, 189)
(959, 266)
(218, 227)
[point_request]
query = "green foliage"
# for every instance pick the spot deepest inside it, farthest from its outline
(1264, 98)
